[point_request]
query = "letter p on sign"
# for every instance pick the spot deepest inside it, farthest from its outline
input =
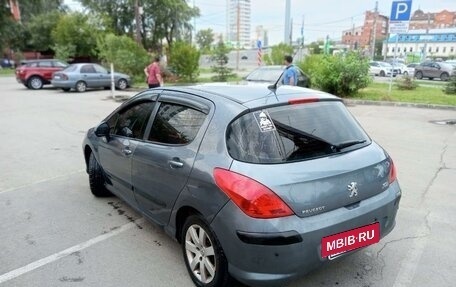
(400, 11)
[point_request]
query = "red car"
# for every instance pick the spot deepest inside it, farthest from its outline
(36, 73)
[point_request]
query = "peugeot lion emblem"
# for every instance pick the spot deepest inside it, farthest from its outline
(353, 189)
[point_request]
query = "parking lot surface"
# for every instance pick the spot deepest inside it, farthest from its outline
(53, 232)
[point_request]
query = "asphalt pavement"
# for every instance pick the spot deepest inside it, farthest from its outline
(53, 232)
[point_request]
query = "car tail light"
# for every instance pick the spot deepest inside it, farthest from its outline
(302, 101)
(392, 174)
(64, 76)
(252, 197)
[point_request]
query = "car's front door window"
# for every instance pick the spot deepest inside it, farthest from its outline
(133, 121)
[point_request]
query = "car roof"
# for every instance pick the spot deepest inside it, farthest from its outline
(254, 95)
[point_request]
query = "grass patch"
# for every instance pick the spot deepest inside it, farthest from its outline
(422, 95)
(7, 72)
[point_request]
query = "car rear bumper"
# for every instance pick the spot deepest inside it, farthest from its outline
(63, 84)
(274, 251)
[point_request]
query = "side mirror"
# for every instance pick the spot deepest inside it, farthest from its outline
(102, 130)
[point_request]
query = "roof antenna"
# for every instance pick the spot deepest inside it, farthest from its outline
(273, 87)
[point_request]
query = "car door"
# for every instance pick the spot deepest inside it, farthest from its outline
(115, 152)
(89, 75)
(104, 78)
(162, 163)
(46, 69)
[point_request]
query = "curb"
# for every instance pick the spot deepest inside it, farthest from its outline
(350, 102)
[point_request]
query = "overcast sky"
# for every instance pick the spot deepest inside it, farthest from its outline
(321, 17)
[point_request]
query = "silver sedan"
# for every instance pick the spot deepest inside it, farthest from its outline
(88, 75)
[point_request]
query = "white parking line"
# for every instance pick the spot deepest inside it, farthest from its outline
(54, 257)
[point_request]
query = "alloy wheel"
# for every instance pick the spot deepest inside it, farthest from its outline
(200, 254)
(122, 84)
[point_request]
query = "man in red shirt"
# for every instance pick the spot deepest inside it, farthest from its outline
(153, 74)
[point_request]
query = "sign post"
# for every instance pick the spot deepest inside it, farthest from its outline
(399, 24)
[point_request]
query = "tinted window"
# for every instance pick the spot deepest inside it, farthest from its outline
(87, 69)
(176, 124)
(45, 64)
(60, 64)
(294, 132)
(133, 121)
(100, 69)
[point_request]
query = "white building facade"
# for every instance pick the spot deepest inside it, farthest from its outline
(437, 43)
(241, 8)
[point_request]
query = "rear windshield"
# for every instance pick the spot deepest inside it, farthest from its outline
(70, 68)
(294, 133)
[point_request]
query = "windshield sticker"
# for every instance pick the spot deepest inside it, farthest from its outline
(264, 121)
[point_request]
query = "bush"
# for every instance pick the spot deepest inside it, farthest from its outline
(406, 83)
(184, 61)
(278, 52)
(220, 57)
(124, 53)
(342, 74)
(450, 87)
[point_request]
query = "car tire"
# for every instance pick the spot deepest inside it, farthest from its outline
(81, 86)
(122, 84)
(66, 89)
(35, 83)
(205, 260)
(382, 73)
(97, 178)
(444, 77)
(419, 75)
(405, 73)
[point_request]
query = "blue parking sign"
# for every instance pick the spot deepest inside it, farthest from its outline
(400, 10)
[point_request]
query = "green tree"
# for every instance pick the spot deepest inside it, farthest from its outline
(64, 52)
(162, 19)
(118, 15)
(220, 57)
(32, 8)
(124, 53)
(76, 29)
(40, 29)
(204, 38)
(342, 75)
(278, 52)
(184, 60)
(314, 47)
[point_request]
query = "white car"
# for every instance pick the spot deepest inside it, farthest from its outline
(410, 69)
(382, 69)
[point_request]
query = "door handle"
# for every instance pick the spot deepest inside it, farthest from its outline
(127, 151)
(176, 163)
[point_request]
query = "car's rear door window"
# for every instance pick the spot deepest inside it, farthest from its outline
(176, 124)
(294, 132)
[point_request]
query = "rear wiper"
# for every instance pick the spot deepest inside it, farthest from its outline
(346, 144)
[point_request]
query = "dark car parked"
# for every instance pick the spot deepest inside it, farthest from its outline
(261, 185)
(35, 73)
(431, 70)
(270, 74)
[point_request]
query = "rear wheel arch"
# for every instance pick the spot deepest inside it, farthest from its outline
(182, 214)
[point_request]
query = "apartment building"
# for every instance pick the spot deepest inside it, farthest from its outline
(238, 17)
(427, 20)
(361, 37)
